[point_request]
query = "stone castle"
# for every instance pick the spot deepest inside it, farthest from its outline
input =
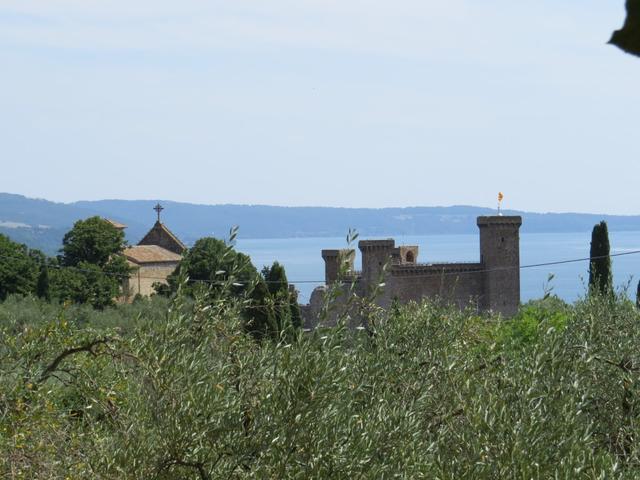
(492, 284)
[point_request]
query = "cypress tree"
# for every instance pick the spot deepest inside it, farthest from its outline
(296, 314)
(287, 310)
(42, 287)
(600, 277)
(261, 319)
(276, 278)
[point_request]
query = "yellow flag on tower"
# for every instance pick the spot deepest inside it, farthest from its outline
(500, 196)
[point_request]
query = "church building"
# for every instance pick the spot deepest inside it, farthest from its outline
(153, 259)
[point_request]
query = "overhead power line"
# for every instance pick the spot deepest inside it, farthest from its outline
(294, 282)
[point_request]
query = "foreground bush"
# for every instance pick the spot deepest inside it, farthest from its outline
(431, 392)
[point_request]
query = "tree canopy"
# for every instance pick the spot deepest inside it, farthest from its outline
(93, 240)
(19, 268)
(213, 268)
(285, 300)
(628, 37)
(93, 267)
(210, 263)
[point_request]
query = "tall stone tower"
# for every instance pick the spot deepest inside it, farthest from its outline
(375, 254)
(334, 260)
(500, 259)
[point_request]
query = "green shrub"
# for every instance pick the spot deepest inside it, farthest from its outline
(179, 390)
(534, 319)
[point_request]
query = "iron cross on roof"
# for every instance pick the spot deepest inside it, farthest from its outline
(158, 208)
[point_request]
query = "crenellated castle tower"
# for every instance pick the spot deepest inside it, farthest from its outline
(492, 284)
(500, 258)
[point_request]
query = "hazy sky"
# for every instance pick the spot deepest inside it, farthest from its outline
(321, 102)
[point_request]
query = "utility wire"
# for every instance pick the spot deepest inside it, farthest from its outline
(293, 282)
(123, 276)
(521, 267)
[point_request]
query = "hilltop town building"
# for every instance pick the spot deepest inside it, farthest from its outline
(492, 284)
(153, 259)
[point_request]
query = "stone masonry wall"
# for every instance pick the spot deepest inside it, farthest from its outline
(492, 284)
(500, 256)
(158, 236)
(141, 281)
(458, 284)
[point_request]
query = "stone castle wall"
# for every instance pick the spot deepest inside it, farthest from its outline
(141, 281)
(492, 284)
(458, 284)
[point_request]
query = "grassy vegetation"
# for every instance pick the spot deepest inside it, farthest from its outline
(176, 389)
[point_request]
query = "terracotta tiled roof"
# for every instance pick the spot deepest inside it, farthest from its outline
(141, 254)
(118, 225)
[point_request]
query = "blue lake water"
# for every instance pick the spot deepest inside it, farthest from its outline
(305, 267)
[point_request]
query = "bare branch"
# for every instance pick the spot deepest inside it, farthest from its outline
(198, 466)
(625, 364)
(88, 348)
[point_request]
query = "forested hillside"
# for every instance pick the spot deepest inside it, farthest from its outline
(41, 224)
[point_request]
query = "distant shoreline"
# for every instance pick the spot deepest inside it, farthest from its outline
(42, 224)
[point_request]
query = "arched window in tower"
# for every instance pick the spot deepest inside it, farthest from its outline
(410, 258)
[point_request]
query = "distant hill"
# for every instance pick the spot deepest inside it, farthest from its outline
(42, 224)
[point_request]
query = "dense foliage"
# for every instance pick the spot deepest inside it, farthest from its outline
(628, 37)
(89, 270)
(179, 390)
(284, 298)
(212, 266)
(19, 268)
(93, 241)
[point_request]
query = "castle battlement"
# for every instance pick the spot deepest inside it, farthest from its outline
(376, 244)
(337, 262)
(499, 220)
(435, 269)
(345, 252)
(392, 273)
